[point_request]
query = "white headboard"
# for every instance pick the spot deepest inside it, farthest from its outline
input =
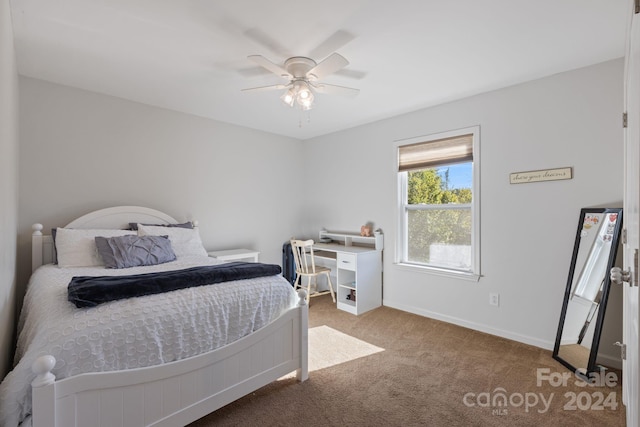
(119, 217)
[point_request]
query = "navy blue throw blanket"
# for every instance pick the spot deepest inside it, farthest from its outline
(89, 291)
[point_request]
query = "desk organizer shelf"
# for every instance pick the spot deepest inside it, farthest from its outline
(350, 239)
(358, 269)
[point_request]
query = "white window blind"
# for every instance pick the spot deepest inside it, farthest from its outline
(430, 154)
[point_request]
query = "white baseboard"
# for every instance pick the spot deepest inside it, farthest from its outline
(610, 361)
(536, 342)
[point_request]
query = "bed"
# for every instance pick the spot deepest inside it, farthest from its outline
(146, 376)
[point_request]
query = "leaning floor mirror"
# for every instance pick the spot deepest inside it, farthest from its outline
(587, 291)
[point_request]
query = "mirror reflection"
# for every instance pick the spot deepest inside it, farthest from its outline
(587, 289)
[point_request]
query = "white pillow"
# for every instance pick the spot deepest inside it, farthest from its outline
(77, 247)
(184, 241)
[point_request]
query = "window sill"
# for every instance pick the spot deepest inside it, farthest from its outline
(472, 277)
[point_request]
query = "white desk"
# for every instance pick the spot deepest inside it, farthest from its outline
(358, 275)
(235, 255)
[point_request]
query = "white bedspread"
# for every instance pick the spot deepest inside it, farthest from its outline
(135, 332)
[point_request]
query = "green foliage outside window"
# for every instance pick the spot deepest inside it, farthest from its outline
(428, 187)
(441, 227)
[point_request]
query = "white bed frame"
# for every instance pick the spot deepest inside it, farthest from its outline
(172, 394)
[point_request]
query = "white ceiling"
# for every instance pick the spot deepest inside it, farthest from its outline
(191, 55)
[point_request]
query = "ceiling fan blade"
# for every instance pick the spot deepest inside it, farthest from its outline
(336, 90)
(267, 41)
(331, 64)
(265, 88)
(253, 72)
(332, 44)
(274, 68)
(352, 74)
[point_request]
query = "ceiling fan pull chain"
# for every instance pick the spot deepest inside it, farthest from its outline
(301, 117)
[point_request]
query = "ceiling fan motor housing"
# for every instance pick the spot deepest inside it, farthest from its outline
(299, 66)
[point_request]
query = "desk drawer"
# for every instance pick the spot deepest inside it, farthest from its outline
(346, 261)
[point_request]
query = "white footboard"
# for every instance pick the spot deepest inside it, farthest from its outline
(177, 393)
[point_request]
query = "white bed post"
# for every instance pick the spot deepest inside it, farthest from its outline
(302, 373)
(43, 394)
(36, 246)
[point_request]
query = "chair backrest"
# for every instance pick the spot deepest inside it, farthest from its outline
(304, 264)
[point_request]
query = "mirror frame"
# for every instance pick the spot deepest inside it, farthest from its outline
(593, 354)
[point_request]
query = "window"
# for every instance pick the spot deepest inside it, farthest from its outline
(438, 179)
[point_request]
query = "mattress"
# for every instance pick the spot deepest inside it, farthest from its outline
(135, 332)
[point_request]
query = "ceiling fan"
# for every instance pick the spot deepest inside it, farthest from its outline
(303, 75)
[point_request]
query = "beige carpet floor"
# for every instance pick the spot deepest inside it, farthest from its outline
(391, 368)
(575, 354)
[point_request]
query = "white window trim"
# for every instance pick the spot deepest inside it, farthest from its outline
(401, 220)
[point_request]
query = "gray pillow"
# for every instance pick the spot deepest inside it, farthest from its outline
(188, 224)
(134, 251)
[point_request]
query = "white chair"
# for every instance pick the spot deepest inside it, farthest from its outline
(306, 267)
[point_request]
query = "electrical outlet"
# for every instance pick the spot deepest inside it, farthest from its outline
(494, 299)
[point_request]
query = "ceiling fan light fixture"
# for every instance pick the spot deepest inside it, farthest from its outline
(303, 74)
(289, 97)
(305, 99)
(303, 94)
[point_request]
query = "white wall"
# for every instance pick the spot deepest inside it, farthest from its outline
(81, 151)
(527, 232)
(8, 185)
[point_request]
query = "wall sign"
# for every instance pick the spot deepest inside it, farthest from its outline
(541, 175)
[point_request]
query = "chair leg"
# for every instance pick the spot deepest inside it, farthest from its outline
(298, 284)
(331, 287)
